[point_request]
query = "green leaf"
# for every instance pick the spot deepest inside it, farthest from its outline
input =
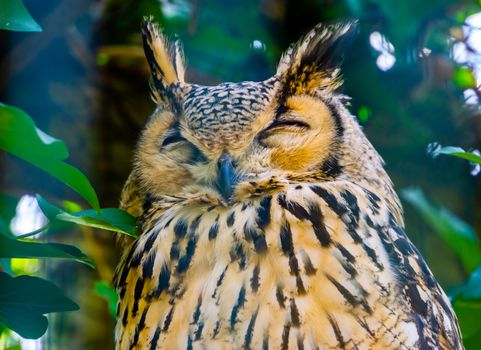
(24, 300)
(464, 78)
(12, 248)
(20, 137)
(111, 219)
(460, 236)
(459, 152)
(107, 292)
(15, 16)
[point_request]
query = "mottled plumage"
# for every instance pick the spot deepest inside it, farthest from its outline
(267, 220)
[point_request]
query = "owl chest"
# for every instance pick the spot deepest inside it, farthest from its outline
(276, 272)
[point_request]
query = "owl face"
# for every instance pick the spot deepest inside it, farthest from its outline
(232, 139)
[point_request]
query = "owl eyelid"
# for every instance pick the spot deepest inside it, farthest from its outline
(288, 123)
(174, 137)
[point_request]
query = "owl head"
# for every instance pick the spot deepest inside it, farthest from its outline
(236, 141)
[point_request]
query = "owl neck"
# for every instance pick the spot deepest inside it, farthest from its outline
(362, 165)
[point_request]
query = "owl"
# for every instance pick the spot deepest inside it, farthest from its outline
(266, 218)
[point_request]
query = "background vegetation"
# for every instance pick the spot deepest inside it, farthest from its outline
(77, 73)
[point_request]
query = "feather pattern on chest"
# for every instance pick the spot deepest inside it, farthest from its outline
(313, 264)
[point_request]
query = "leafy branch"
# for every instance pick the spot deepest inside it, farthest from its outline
(460, 153)
(19, 136)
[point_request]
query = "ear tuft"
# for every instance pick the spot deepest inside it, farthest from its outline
(166, 60)
(313, 62)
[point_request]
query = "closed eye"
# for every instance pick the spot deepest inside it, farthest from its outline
(282, 126)
(290, 125)
(279, 123)
(173, 137)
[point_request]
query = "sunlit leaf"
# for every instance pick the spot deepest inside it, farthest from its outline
(71, 206)
(14, 347)
(24, 300)
(20, 137)
(8, 339)
(15, 16)
(460, 236)
(464, 78)
(111, 219)
(459, 152)
(107, 292)
(12, 248)
(21, 266)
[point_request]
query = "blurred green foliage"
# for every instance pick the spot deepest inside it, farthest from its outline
(464, 78)
(462, 238)
(107, 292)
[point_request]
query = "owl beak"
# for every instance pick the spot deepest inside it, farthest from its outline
(226, 176)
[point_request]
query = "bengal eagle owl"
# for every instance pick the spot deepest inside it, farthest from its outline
(267, 220)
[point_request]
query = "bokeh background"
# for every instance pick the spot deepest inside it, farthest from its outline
(413, 74)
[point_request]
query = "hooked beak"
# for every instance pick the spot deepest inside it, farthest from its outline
(226, 176)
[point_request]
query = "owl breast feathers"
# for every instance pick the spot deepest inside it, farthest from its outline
(267, 220)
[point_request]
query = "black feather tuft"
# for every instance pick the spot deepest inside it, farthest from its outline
(313, 62)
